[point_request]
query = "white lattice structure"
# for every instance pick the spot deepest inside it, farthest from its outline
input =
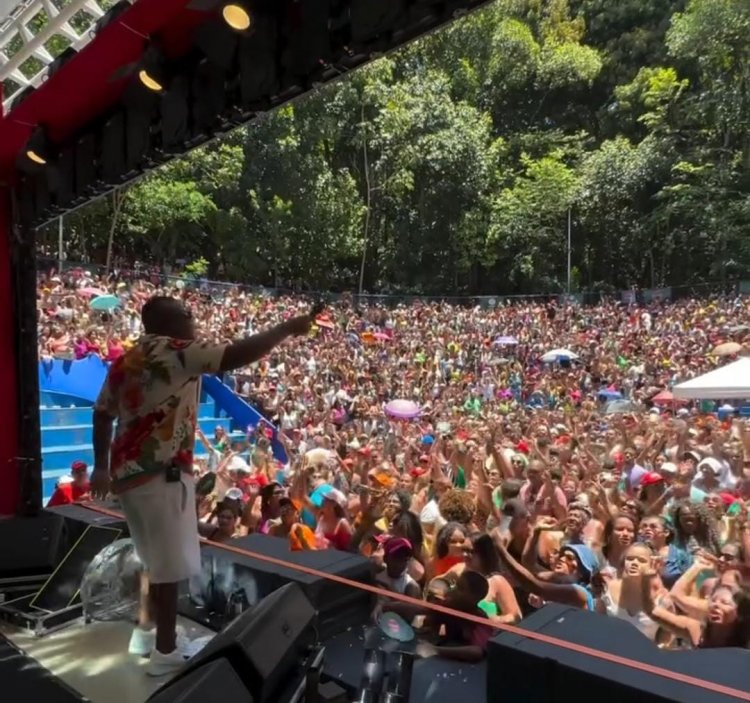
(34, 32)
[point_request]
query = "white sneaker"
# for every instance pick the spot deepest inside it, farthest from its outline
(142, 642)
(162, 664)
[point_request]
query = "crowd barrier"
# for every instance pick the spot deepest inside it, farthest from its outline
(643, 667)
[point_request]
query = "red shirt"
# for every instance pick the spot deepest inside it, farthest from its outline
(68, 493)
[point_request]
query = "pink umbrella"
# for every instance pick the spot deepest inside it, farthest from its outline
(91, 292)
(403, 409)
(381, 337)
(665, 397)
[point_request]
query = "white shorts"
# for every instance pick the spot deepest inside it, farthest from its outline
(163, 525)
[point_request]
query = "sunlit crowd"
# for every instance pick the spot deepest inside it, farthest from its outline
(489, 459)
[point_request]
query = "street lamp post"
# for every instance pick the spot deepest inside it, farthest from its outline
(570, 221)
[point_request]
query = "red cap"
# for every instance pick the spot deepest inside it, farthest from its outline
(78, 466)
(651, 479)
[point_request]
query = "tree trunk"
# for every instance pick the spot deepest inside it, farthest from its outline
(117, 199)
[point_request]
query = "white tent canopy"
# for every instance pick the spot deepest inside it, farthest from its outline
(730, 381)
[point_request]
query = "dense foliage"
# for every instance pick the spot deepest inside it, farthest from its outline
(454, 163)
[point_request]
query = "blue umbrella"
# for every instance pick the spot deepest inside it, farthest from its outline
(608, 394)
(505, 341)
(105, 303)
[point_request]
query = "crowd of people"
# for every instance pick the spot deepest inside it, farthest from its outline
(548, 461)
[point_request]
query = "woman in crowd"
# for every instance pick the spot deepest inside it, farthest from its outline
(622, 596)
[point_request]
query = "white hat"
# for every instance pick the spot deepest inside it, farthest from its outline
(237, 463)
(233, 494)
(668, 468)
(336, 496)
(714, 465)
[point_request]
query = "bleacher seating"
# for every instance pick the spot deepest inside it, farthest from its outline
(66, 435)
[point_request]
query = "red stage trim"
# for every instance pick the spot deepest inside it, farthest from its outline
(9, 478)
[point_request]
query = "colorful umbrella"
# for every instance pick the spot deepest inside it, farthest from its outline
(105, 303)
(90, 292)
(403, 409)
(609, 394)
(559, 355)
(727, 349)
(325, 322)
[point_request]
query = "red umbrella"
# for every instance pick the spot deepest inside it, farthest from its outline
(325, 322)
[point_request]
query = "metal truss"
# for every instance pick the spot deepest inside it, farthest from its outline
(35, 32)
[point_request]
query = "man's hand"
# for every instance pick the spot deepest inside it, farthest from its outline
(300, 325)
(100, 483)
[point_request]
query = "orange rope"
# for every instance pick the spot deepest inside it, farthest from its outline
(546, 639)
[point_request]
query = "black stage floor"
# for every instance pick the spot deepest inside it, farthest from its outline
(434, 680)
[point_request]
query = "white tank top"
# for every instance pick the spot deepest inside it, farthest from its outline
(640, 620)
(395, 585)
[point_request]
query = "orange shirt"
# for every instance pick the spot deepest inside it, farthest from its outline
(303, 532)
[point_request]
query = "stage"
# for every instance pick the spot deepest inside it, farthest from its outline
(93, 659)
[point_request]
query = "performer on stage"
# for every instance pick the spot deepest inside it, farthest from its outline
(152, 392)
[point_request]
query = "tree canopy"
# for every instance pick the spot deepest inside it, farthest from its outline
(454, 163)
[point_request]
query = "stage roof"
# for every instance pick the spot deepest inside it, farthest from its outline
(33, 33)
(68, 95)
(83, 88)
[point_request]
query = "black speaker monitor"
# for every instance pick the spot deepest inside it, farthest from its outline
(31, 545)
(266, 644)
(540, 672)
(214, 682)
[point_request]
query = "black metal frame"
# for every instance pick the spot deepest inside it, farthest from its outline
(29, 459)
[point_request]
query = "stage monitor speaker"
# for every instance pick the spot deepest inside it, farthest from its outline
(536, 672)
(79, 517)
(31, 545)
(214, 682)
(266, 643)
(229, 580)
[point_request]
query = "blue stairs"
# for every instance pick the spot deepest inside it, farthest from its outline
(66, 437)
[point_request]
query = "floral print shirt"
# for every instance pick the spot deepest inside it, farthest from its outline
(152, 391)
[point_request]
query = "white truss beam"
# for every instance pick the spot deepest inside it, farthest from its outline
(15, 24)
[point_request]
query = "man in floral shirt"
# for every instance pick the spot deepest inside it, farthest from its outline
(152, 392)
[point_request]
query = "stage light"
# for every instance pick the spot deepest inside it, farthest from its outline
(237, 16)
(37, 149)
(373, 674)
(152, 72)
(398, 689)
(151, 83)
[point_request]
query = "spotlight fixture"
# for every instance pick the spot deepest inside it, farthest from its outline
(37, 149)
(152, 71)
(237, 16)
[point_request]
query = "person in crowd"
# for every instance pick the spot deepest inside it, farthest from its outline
(74, 488)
